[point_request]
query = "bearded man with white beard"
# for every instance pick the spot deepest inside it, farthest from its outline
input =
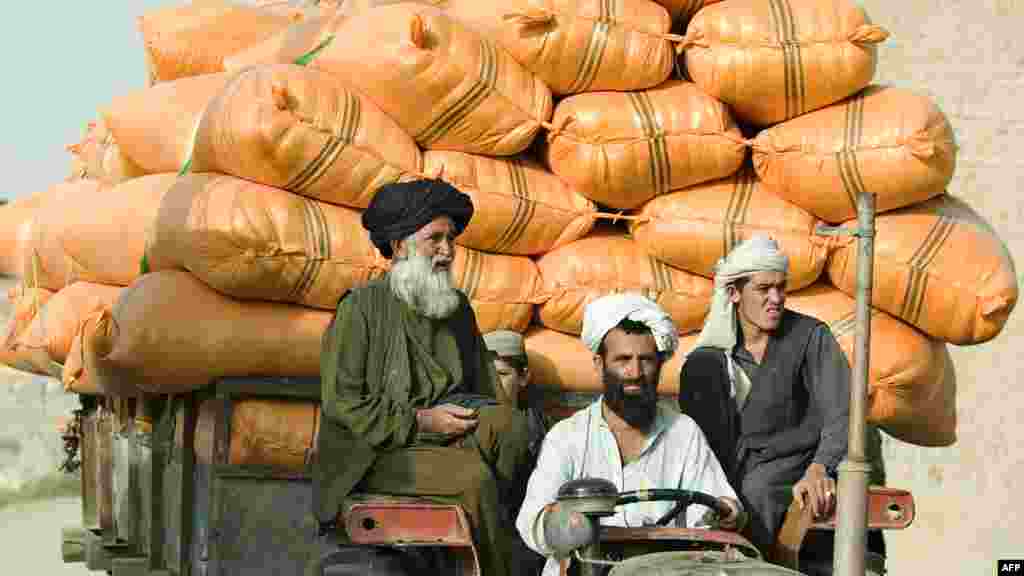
(626, 436)
(410, 400)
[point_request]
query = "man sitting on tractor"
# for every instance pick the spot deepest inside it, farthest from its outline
(410, 400)
(771, 390)
(626, 436)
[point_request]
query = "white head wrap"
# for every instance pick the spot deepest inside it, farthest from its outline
(756, 254)
(605, 313)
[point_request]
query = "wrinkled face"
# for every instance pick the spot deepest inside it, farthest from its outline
(512, 379)
(630, 368)
(761, 301)
(421, 273)
(435, 241)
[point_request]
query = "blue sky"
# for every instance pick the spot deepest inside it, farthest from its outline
(63, 61)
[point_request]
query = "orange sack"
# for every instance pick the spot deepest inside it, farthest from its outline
(693, 228)
(623, 148)
(772, 60)
(44, 344)
(194, 39)
(561, 361)
(276, 433)
(17, 223)
(298, 41)
(255, 242)
(304, 131)
(24, 304)
(153, 127)
(169, 333)
(503, 290)
(519, 207)
(445, 84)
(911, 383)
(99, 157)
(888, 141)
(607, 262)
(578, 45)
(73, 375)
(938, 266)
(93, 234)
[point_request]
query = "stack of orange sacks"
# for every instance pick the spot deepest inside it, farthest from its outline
(211, 221)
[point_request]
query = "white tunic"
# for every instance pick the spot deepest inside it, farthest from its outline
(676, 455)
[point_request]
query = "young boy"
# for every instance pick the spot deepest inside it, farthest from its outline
(512, 365)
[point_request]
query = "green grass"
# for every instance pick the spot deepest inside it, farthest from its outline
(55, 485)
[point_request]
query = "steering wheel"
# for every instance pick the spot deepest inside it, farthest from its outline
(683, 499)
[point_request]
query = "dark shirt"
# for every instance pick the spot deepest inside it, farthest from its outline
(826, 377)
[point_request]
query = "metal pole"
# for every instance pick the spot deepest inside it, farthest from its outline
(851, 535)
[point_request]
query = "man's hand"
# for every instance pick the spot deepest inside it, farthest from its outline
(817, 489)
(447, 419)
(736, 519)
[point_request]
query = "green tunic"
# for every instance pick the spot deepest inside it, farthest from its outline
(380, 363)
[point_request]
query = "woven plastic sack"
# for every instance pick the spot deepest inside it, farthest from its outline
(93, 234)
(503, 290)
(153, 127)
(73, 374)
(17, 223)
(608, 262)
(693, 228)
(304, 131)
(99, 157)
(169, 333)
(297, 41)
(578, 45)
(193, 39)
(888, 141)
(623, 148)
(443, 83)
(938, 266)
(44, 343)
(563, 362)
(519, 207)
(772, 60)
(912, 386)
(24, 304)
(254, 242)
(277, 433)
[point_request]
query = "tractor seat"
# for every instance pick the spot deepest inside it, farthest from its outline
(888, 509)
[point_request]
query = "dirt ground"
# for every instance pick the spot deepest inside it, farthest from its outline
(30, 532)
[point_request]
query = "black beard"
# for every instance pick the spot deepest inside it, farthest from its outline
(638, 410)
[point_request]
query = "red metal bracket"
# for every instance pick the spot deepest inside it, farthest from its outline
(396, 521)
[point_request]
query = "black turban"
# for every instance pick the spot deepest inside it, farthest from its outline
(397, 210)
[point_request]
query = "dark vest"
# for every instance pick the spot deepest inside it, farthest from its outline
(775, 421)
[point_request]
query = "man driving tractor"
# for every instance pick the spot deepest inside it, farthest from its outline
(626, 436)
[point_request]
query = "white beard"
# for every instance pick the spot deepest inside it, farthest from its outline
(430, 293)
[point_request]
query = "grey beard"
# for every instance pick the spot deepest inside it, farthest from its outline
(428, 292)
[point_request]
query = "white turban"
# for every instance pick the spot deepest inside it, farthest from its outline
(605, 313)
(756, 254)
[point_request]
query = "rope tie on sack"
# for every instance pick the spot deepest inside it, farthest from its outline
(617, 216)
